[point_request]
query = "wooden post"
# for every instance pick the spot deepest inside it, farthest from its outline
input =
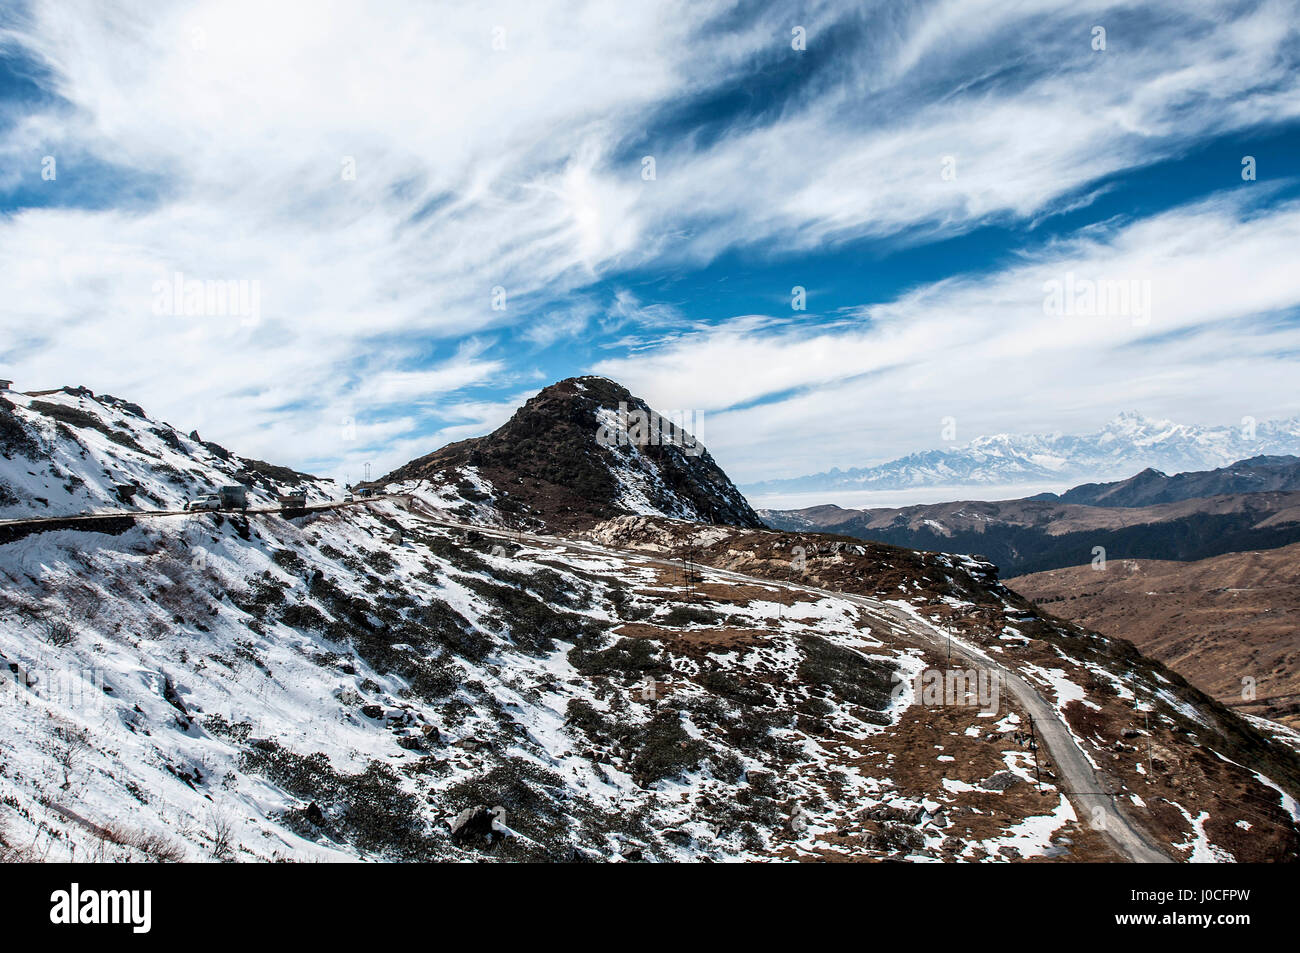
(1033, 746)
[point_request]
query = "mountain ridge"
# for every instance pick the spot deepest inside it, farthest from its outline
(1257, 474)
(1217, 620)
(1126, 444)
(366, 682)
(1253, 504)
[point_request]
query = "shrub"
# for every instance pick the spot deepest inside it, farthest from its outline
(666, 750)
(381, 815)
(531, 796)
(263, 593)
(14, 436)
(310, 777)
(532, 624)
(125, 440)
(303, 616)
(469, 492)
(680, 616)
(72, 416)
(626, 657)
(845, 673)
(432, 679)
(57, 632)
(70, 747)
(288, 559)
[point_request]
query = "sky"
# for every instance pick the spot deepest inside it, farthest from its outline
(822, 229)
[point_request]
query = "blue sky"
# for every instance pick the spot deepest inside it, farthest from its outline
(924, 171)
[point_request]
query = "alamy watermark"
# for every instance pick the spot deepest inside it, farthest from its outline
(646, 428)
(954, 687)
(1098, 298)
(73, 689)
(235, 298)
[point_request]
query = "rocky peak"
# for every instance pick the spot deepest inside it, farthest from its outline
(581, 451)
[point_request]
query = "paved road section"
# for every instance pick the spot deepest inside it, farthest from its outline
(1082, 782)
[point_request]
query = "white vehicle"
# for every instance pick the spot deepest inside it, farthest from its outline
(209, 501)
(348, 498)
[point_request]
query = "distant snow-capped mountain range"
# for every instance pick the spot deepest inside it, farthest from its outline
(1127, 444)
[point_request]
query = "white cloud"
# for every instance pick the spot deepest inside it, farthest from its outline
(478, 168)
(983, 350)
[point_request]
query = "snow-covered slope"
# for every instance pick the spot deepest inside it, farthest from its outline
(359, 683)
(1126, 445)
(364, 683)
(70, 451)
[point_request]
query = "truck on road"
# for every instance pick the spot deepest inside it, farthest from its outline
(226, 498)
(296, 500)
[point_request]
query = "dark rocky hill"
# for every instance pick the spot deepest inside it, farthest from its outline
(581, 451)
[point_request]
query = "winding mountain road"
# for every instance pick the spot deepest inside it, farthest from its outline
(1083, 784)
(36, 521)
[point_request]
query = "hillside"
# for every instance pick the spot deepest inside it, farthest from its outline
(1215, 621)
(1032, 535)
(1255, 475)
(72, 451)
(379, 681)
(545, 466)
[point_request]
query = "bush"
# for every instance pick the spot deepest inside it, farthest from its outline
(532, 797)
(303, 616)
(532, 624)
(263, 593)
(666, 750)
(381, 815)
(14, 436)
(681, 616)
(846, 674)
(57, 632)
(125, 440)
(381, 562)
(432, 679)
(728, 686)
(310, 777)
(469, 492)
(72, 416)
(288, 559)
(626, 657)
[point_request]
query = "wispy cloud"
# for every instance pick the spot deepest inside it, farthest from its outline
(500, 196)
(1218, 342)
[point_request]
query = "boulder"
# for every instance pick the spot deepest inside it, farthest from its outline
(1000, 781)
(479, 823)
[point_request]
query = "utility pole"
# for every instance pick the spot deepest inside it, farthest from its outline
(1033, 746)
(1146, 718)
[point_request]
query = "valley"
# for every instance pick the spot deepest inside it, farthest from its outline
(1229, 623)
(477, 664)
